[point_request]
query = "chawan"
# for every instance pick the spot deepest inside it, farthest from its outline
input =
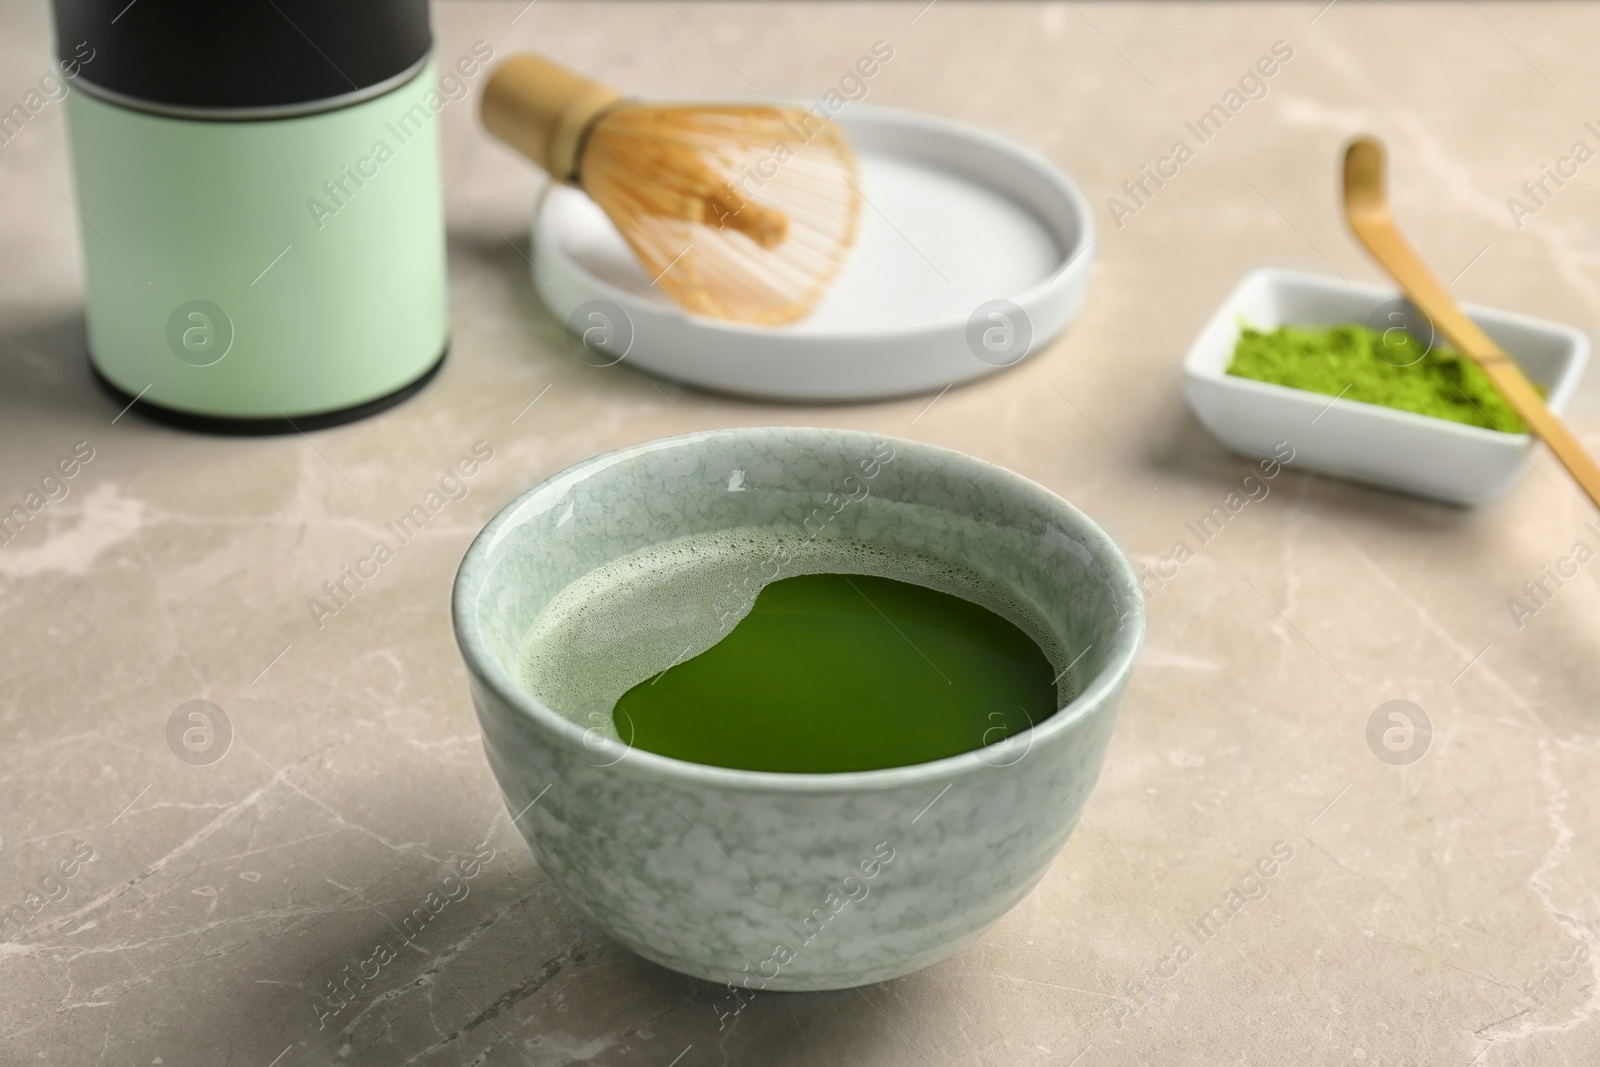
(795, 881)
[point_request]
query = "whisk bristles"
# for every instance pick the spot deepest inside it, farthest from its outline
(738, 212)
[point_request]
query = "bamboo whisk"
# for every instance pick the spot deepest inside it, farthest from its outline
(740, 212)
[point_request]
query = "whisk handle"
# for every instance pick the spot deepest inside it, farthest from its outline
(542, 110)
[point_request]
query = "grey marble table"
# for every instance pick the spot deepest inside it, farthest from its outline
(1441, 912)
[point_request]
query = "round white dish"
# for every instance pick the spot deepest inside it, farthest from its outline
(974, 253)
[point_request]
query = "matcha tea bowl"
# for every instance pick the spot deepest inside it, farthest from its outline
(865, 855)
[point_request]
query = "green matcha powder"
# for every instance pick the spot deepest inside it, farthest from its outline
(1392, 369)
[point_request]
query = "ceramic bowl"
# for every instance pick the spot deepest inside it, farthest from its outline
(1416, 454)
(794, 881)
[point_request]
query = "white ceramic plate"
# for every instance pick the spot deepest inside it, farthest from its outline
(1417, 454)
(956, 217)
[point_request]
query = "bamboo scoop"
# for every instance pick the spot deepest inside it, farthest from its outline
(1367, 212)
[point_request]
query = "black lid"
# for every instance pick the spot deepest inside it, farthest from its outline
(261, 56)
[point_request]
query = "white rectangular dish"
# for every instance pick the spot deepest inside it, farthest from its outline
(1417, 454)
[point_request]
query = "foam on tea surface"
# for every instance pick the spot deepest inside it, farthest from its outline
(643, 613)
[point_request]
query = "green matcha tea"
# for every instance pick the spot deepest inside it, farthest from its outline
(1391, 368)
(755, 651)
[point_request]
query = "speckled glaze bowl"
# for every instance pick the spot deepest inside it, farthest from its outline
(794, 881)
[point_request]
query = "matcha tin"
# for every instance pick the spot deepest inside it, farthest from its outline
(259, 194)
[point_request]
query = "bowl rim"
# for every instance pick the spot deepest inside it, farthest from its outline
(1560, 390)
(486, 669)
